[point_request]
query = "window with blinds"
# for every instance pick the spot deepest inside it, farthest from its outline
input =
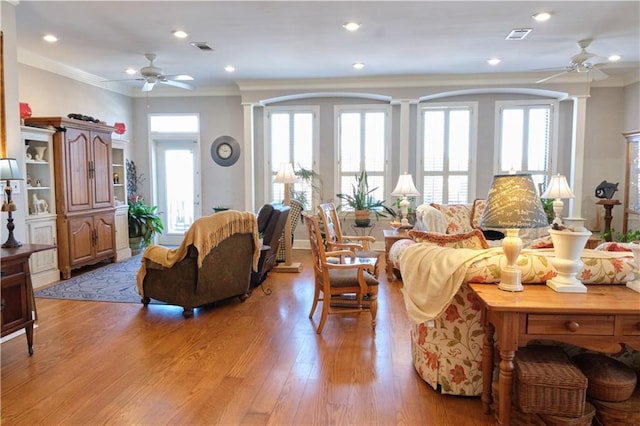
(362, 137)
(525, 139)
(448, 142)
(291, 138)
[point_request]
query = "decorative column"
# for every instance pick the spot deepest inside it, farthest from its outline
(403, 152)
(248, 149)
(577, 158)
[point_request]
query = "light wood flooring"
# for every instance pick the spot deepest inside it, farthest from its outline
(257, 362)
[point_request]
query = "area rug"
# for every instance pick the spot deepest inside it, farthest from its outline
(113, 282)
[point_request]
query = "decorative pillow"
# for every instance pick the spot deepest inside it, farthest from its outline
(473, 240)
(476, 212)
(540, 243)
(458, 217)
(613, 246)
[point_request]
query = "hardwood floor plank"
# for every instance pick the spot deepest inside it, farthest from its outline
(257, 362)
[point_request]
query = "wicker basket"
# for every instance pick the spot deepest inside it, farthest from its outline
(517, 416)
(547, 382)
(585, 420)
(618, 413)
(609, 379)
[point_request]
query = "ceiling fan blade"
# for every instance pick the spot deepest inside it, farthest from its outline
(123, 79)
(598, 74)
(148, 86)
(177, 84)
(552, 76)
(179, 77)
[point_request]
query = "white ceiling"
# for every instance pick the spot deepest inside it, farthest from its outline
(266, 40)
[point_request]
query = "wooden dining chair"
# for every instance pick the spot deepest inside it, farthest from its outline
(350, 282)
(359, 245)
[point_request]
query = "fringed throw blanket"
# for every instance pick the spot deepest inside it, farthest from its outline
(432, 275)
(205, 234)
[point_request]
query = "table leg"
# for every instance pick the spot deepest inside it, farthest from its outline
(388, 266)
(505, 386)
(487, 366)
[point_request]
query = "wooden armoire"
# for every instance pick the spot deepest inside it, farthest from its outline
(84, 192)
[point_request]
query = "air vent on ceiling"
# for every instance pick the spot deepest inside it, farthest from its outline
(202, 45)
(518, 34)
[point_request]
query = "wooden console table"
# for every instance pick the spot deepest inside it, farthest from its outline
(18, 305)
(601, 320)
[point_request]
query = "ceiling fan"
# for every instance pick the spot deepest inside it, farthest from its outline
(581, 63)
(152, 75)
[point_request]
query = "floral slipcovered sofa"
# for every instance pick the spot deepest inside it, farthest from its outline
(461, 219)
(446, 340)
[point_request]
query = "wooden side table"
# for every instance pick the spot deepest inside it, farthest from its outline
(18, 303)
(390, 237)
(602, 319)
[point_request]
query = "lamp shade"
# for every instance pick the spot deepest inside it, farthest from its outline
(285, 174)
(513, 202)
(558, 188)
(9, 169)
(405, 186)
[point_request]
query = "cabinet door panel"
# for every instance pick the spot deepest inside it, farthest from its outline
(80, 239)
(14, 299)
(77, 170)
(43, 233)
(106, 232)
(102, 183)
(122, 229)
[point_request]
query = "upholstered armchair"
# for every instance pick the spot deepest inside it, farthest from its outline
(271, 221)
(214, 262)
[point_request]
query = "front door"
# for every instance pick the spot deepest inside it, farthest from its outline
(178, 184)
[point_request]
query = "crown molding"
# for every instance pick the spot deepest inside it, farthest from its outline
(334, 85)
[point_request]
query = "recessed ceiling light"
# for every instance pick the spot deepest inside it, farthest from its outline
(182, 77)
(229, 68)
(180, 34)
(494, 61)
(358, 65)
(351, 26)
(614, 58)
(131, 71)
(542, 16)
(50, 38)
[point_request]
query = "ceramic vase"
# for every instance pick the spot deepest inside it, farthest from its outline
(568, 247)
(40, 152)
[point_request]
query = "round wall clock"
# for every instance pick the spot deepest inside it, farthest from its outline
(225, 151)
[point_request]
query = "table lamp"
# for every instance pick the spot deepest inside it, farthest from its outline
(558, 189)
(9, 170)
(404, 189)
(512, 203)
(287, 176)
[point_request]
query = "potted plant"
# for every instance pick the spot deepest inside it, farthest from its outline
(133, 180)
(311, 178)
(363, 203)
(144, 223)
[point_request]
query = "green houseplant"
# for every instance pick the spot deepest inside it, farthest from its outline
(144, 223)
(362, 201)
